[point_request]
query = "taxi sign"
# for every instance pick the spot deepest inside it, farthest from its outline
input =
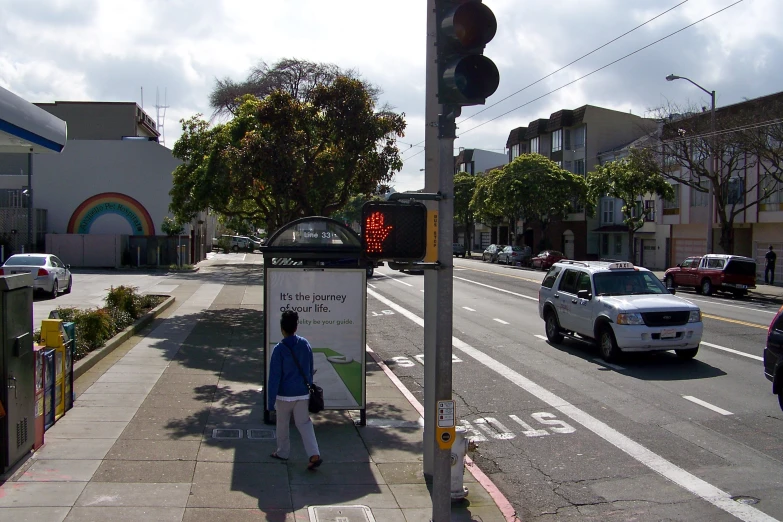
(620, 264)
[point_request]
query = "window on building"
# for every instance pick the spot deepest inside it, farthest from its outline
(774, 189)
(567, 139)
(670, 205)
(604, 244)
(579, 167)
(736, 191)
(559, 164)
(607, 212)
(618, 244)
(557, 140)
(534, 145)
(649, 210)
(699, 198)
(466, 167)
(568, 165)
(515, 151)
(579, 137)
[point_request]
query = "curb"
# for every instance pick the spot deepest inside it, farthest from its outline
(83, 365)
(501, 502)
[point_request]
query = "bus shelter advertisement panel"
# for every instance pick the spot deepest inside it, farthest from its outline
(331, 306)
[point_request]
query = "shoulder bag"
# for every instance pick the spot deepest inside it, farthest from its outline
(316, 404)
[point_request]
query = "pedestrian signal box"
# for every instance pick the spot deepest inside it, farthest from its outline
(393, 231)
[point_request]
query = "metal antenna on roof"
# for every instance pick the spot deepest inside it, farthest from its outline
(161, 117)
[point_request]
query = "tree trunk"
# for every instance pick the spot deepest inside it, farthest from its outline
(631, 246)
(726, 238)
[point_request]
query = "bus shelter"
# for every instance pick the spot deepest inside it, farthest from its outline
(315, 267)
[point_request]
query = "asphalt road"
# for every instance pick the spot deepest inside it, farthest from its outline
(568, 437)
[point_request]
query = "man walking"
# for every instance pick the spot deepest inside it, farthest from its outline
(769, 268)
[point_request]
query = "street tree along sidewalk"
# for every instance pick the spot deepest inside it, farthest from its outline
(748, 137)
(629, 180)
(533, 188)
(294, 152)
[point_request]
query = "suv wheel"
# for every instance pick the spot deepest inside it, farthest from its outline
(669, 282)
(780, 400)
(706, 287)
(688, 353)
(235, 248)
(553, 333)
(610, 352)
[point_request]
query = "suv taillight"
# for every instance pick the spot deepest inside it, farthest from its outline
(2, 272)
(43, 272)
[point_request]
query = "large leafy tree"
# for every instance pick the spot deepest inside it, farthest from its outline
(629, 180)
(283, 157)
(536, 189)
(464, 188)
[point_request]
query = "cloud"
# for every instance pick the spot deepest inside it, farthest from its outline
(107, 51)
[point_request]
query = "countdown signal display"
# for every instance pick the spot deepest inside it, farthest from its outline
(394, 231)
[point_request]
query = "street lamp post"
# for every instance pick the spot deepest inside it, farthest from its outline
(711, 165)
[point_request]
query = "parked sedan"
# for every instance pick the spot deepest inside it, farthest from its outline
(491, 253)
(546, 259)
(773, 356)
(50, 275)
(511, 255)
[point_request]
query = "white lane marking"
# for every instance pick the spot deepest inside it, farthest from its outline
(501, 321)
(371, 286)
(718, 303)
(706, 405)
(674, 473)
(542, 337)
(468, 309)
(458, 269)
(494, 428)
(608, 365)
(396, 280)
(498, 289)
(730, 350)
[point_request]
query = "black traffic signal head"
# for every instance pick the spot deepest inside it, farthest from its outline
(394, 231)
(465, 75)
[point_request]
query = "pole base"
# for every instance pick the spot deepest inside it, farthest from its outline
(459, 496)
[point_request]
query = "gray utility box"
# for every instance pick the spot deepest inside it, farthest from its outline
(17, 428)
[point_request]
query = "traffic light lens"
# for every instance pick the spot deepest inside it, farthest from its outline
(376, 231)
(474, 24)
(475, 76)
(394, 231)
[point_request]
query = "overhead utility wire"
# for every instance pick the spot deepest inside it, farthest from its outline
(573, 62)
(603, 67)
(563, 67)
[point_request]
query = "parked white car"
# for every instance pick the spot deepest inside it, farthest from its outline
(50, 274)
(622, 307)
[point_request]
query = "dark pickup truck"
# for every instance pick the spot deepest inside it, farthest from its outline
(714, 273)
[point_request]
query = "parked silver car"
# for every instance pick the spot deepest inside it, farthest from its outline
(50, 274)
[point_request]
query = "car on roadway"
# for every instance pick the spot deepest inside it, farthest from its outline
(714, 273)
(546, 259)
(491, 253)
(511, 255)
(50, 274)
(619, 306)
(458, 249)
(773, 356)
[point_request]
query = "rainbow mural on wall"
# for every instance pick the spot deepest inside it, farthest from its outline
(111, 203)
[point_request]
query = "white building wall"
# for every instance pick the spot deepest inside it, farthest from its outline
(139, 169)
(484, 159)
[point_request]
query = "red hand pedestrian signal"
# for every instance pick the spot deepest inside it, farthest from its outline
(393, 231)
(376, 231)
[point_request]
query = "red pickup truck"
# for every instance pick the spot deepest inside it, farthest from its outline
(714, 273)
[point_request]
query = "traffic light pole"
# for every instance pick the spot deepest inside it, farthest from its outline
(431, 278)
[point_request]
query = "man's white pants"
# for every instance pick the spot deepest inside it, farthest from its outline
(303, 423)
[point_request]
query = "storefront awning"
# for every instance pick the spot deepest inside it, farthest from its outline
(26, 128)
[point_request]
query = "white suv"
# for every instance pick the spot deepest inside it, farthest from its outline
(624, 308)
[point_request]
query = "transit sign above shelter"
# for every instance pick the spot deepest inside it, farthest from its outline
(25, 128)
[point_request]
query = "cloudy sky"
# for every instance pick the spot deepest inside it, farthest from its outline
(106, 50)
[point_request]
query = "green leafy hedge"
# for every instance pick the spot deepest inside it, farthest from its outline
(95, 326)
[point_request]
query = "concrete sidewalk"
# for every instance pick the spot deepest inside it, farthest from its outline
(153, 436)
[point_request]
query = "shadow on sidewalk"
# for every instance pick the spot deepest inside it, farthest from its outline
(218, 373)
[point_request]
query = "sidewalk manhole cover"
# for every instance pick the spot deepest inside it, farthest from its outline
(226, 433)
(261, 434)
(340, 514)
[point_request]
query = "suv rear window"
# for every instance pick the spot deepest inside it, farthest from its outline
(745, 268)
(551, 276)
